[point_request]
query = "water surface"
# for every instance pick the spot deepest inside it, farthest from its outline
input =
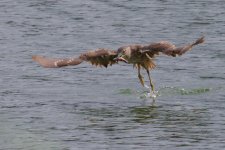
(84, 107)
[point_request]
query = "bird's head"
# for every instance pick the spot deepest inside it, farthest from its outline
(124, 54)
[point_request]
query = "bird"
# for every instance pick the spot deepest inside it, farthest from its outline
(141, 56)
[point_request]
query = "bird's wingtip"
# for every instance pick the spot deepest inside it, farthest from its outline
(44, 62)
(36, 57)
(33, 57)
(200, 40)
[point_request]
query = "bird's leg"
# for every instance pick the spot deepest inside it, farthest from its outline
(140, 76)
(150, 80)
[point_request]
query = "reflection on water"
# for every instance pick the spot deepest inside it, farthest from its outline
(177, 124)
(144, 114)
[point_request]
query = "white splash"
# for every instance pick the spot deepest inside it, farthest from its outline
(152, 94)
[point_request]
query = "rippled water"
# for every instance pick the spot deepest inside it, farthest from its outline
(85, 107)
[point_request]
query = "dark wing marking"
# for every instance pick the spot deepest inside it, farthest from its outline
(100, 57)
(168, 48)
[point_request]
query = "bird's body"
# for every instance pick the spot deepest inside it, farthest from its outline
(141, 56)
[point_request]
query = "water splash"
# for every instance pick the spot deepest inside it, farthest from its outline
(152, 94)
(140, 94)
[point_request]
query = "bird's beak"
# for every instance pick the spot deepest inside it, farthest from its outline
(120, 58)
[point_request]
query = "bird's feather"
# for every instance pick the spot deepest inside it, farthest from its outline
(56, 62)
(136, 54)
(168, 48)
(141, 56)
(99, 57)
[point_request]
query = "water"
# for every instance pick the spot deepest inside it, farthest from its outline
(85, 107)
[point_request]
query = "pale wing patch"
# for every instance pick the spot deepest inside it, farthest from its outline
(55, 63)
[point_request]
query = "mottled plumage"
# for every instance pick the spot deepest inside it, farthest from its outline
(141, 56)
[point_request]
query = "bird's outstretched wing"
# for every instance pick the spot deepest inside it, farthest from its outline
(99, 57)
(168, 48)
(56, 62)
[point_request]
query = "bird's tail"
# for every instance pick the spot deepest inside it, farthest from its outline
(56, 62)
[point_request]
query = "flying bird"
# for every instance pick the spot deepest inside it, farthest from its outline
(141, 56)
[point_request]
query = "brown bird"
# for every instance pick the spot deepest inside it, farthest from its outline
(141, 56)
